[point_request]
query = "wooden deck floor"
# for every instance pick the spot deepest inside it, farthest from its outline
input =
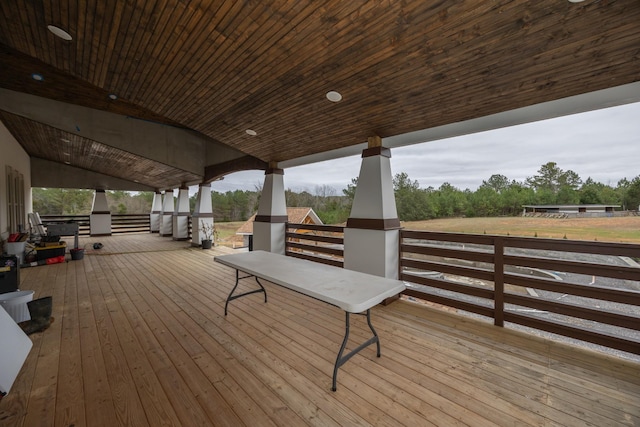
(140, 339)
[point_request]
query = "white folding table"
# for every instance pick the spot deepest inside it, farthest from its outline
(352, 291)
(15, 346)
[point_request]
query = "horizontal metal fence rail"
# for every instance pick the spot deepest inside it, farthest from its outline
(319, 243)
(502, 268)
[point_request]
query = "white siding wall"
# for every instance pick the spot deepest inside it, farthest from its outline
(12, 154)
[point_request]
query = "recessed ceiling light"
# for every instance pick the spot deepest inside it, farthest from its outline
(576, 1)
(334, 96)
(37, 77)
(60, 32)
(251, 132)
(113, 96)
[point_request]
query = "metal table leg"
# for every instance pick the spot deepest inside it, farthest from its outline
(341, 360)
(231, 297)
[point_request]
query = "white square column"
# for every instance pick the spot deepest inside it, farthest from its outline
(181, 215)
(202, 214)
(166, 220)
(100, 218)
(372, 235)
(269, 225)
(156, 211)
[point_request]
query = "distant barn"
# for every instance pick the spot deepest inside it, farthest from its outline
(295, 215)
(570, 211)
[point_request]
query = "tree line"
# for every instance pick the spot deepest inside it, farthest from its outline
(63, 201)
(496, 196)
(499, 196)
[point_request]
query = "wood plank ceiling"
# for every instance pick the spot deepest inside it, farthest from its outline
(222, 67)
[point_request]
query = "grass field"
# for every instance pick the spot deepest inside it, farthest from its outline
(227, 233)
(626, 229)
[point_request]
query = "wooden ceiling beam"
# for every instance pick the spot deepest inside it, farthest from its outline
(214, 172)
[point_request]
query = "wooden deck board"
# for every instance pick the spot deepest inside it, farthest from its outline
(70, 397)
(128, 401)
(495, 383)
(154, 401)
(270, 370)
(102, 385)
(45, 383)
(140, 339)
(164, 350)
(174, 321)
(225, 372)
(310, 338)
(500, 386)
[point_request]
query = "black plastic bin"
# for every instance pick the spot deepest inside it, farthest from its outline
(47, 252)
(9, 274)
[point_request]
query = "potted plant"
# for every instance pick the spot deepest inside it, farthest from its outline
(209, 232)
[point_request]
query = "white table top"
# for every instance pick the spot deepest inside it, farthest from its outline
(13, 351)
(352, 291)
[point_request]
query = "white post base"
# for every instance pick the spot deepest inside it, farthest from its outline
(100, 224)
(268, 236)
(372, 251)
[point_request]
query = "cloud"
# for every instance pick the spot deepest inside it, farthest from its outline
(602, 144)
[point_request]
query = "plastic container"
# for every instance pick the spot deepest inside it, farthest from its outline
(9, 274)
(76, 254)
(15, 303)
(17, 249)
(50, 251)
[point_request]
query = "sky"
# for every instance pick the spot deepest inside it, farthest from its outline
(602, 144)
